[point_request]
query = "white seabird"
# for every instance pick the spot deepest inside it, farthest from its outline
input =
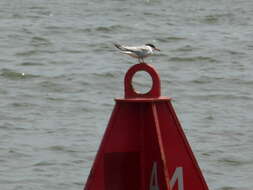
(139, 52)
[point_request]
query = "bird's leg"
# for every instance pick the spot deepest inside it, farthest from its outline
(139, 60)
(142, 60)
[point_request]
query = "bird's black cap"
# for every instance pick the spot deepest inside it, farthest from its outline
(151, 45)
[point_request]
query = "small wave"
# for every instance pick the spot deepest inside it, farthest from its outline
(52, 86)
(170, 39)
(37, 7)
(10, 74)
(84, 30)
(3, 91)
(21, 104)
(38, 38)
(211, 19)
(106, 28)
(31, 64)
(100, 47)
(210, 118)
(44, 163)
(216, 18)
(57, 148)
(193, 59)
(249, 82)
(34, 52)
(112, 28)
(16, 153)
(233, 52)
(40, 10)
(72, 51)
(5, 127)
(79, 183)
(221, 97)
(17, 16)
(228, 188)
(40, 41)
(61, 148)
(105, 75)
(58, 30)
(153, 14)
(231, 161)
(103, 29)
(186, 48)
(55, 99)
(26, 53)
(203, 80)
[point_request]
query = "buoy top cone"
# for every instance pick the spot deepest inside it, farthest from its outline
(144, 146)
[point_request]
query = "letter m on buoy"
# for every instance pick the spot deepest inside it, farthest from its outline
(144, 146)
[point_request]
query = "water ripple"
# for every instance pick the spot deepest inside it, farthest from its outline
(112, 28)
(14, 75)
(170, 39)
(28, 63)
(194, 59)
(40, 41)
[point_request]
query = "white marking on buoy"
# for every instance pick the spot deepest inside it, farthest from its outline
(154, 178)
(177, 176)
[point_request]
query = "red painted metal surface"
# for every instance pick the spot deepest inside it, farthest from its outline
(155, 91)
(144, 146)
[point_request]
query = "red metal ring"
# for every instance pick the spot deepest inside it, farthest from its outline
(155, 91)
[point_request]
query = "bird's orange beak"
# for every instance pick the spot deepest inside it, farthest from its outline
(157, 49)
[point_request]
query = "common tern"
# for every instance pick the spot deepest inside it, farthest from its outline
(139, 52)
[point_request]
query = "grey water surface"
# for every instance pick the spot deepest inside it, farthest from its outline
(59, 74)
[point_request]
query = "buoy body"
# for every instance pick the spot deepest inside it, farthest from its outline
(144, 146)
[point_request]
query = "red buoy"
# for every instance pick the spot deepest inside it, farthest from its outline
(144, 146)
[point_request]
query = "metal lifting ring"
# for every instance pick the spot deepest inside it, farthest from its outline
(155, 90)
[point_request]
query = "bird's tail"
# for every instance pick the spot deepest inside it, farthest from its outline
(119, 47)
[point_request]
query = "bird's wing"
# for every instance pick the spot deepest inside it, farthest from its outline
(131, 48)
(135, 48)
